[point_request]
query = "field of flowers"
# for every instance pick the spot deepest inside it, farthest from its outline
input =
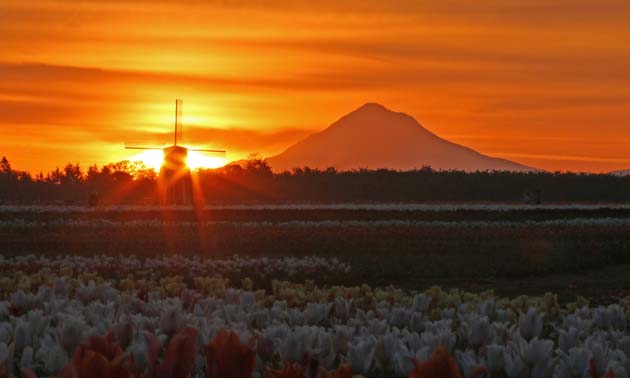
(322, 212)
(429, 244)
(315, 291)
(104, 316)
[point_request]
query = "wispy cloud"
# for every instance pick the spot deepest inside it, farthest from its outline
(257, 75)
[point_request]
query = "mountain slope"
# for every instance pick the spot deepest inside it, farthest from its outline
(373, 136)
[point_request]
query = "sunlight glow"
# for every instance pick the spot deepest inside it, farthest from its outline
(200, 160)
(154, 159)
(150, 158)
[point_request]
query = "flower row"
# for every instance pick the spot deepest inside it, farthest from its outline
(53, 324)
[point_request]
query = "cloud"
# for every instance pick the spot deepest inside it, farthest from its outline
(572, 102)
(262, 73)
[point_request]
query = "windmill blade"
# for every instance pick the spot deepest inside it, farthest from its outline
(138, 146)
(206, 150)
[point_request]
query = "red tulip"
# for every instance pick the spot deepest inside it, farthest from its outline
(342, 371)
(26, 373)
(227, 357)
(593, 370)
(180, 355)
(153, 349)
(439, 365)
(104, 345)
(290, 370)
(88, 363)
(99, 357)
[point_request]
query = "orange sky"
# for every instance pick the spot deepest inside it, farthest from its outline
(545, 83)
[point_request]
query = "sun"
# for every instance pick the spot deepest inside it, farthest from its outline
(155, 158)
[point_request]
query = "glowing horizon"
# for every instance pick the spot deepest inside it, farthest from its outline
(543, 84)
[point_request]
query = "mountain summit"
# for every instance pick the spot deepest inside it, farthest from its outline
(373, 136)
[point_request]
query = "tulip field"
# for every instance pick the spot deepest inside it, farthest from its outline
(295, 291)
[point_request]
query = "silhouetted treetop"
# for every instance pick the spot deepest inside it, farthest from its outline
(253, 180)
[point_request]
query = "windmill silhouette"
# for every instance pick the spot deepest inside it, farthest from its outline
(175, 184)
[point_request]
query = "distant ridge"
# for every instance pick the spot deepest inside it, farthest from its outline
(373, 137)
(621, 172)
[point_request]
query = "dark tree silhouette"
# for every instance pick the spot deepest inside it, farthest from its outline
(253, 180)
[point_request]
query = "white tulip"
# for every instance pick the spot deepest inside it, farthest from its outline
(416, 323)
(386, 347)
(293, 348)
(315, 313)
(138, 349)
(259, 319)
(322, 350)
(124, 331)
(599, 355)
(468, 362)
(171, 320)
(611, 317)
(538, 352)
(51, 355)
(5, 309)
(449, 313)
(504, 315)
(514, 365)
(86, 294)
(341, 339)
(248, 301)
(399, 317)
(618, 371)
(495, 358)
(23, 336)
(6, 356)
(436, 338)
(421, 303)
(619, 357)
(403, 359)
(22, 302)
(623, 343)
(576, 320)
(575, 364)
(43, 294)
(568, 339)
(342, 308)
(480, 331)
(26, 361)
(294, 316)
(61, 288)
(6, 332)
(361, 355)
(71, 334)
(377, 327)
(488, 308)
(530, 324)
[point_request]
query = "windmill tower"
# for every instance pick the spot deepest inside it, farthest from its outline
(174, 182)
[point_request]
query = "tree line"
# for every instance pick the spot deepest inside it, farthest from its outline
(253, 181)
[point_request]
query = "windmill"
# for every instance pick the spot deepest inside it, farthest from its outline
(174, 180)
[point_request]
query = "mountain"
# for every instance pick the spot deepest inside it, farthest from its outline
(621, 172)
(373, 136)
